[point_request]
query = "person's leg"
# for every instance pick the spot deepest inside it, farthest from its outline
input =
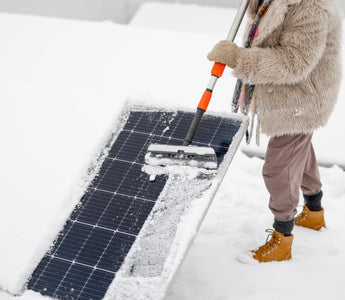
(283, 171)
(311, 184)
(312, 215)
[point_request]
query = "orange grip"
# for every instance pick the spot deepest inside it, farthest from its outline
(205, 100)
(218, 69)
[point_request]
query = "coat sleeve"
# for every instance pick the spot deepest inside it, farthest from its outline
(298, 51)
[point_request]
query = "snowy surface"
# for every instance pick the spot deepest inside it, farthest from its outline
(183, 18)
(63, 85)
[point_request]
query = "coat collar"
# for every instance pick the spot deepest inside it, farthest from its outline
(273, 18)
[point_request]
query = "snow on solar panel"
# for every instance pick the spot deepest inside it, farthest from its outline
(99, 234)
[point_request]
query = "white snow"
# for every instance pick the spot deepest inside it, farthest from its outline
(183, 18)
(236, 222)
(63, 86)
(174, 169)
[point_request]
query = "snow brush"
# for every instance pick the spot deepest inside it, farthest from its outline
(202, 157)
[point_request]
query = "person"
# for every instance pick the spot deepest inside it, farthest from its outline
(293, 59)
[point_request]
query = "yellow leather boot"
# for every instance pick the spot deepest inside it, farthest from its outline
(311, 219)
(278, 248)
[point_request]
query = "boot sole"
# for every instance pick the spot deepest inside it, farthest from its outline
(287, 257)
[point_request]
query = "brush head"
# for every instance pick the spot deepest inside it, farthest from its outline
(163, 155)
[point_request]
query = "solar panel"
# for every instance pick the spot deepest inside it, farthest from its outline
(98, 236)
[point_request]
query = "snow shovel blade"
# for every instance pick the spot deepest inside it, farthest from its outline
(165, 155)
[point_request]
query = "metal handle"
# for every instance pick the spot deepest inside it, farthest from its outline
(218, 68)
(193, 127)
(238, 20)
(217, 71)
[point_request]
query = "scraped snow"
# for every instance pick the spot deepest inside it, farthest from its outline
(171, 169)
(63, 85)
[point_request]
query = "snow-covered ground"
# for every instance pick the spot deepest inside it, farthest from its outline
(63, 84)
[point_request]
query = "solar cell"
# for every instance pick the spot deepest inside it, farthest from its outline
(100, 232)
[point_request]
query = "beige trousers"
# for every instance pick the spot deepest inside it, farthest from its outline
(290, 165)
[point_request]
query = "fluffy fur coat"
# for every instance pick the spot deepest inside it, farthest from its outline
(295, 63)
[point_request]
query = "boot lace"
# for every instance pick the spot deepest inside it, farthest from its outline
(271, 244)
